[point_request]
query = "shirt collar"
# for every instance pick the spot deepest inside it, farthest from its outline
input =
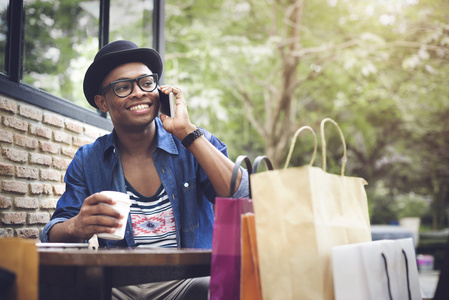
(110, 144)
(165, 141)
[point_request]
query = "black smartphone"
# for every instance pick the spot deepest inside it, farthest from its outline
(167, 103)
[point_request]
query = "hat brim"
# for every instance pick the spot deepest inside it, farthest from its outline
(100, 68)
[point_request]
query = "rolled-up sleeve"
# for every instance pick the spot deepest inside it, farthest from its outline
(243, 190)
(44, 234)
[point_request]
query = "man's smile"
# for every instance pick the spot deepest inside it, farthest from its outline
(139, 107)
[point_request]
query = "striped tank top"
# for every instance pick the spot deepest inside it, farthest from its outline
(152, 218)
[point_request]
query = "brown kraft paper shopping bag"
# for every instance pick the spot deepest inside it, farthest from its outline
(301, 213)
(20, 257)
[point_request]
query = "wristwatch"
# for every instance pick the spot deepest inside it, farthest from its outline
(188, 140)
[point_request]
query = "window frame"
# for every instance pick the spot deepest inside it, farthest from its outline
(10, 85)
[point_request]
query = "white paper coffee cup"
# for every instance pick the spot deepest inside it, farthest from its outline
(123, 204)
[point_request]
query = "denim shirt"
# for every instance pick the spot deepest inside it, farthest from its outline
(96, 167)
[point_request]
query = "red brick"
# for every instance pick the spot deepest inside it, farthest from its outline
(8, 105)
(6, 136)
(53, 120)
(78, 141)
(25, 141)
(14, 186)
(28, 233)
(26, 202)
(40, 131)
(70, 152)
(62, 137)
(49, 147)
(14, 218)
(36, 188)
(38, 218)
(48, 203)
(51, 175)
(27, 172)
(30, 112)
(60, 163)
(5, 202)
(93, 132)
(74, 126)
(40, 159)
(6, 232)
(59, 189)
(6, 170)
(47, 189)
(15, 123)
(15, 155)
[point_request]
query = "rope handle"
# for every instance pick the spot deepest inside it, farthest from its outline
(406, 272)
(237, 164)
(292, 145)
(388, 276)
(408, 276)
(323, 143)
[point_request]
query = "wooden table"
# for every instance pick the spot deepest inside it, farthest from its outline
(90, 274)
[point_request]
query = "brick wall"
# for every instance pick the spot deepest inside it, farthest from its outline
(36, 147)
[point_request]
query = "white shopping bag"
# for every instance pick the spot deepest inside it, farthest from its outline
(384, 269)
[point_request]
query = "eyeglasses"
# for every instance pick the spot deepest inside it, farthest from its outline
(124, 87)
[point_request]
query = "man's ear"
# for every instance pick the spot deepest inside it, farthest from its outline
(100, 101)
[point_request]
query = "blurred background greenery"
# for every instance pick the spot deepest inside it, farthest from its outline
(255, 71)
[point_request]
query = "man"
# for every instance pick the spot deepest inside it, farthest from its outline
(167, 162)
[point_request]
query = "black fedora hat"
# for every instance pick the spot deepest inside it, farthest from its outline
(113, 55)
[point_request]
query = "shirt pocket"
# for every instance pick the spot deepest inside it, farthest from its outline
(189, 205)
(189, 187)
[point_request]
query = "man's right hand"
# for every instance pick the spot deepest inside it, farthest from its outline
(94, 217)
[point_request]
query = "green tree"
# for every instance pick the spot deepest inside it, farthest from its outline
(261, 69)
(51, 43)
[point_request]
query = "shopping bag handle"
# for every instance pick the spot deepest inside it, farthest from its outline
(388, 276)
(292, 145)
(406, 272)
(238, 162)
(408, 276)
(323, 143)
(258, 160)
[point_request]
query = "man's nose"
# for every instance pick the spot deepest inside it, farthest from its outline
(137, 91)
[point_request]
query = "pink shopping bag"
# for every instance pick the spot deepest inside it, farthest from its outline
(226, 242)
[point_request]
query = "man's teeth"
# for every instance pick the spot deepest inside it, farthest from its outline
(139, 107)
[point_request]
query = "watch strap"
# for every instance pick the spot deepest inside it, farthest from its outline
(188, 140)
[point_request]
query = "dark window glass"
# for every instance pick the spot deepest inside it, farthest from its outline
(3, 33)
(61, 39)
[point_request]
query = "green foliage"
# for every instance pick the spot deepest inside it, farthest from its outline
(386, 208)
(412, 205)
(52, 46)
(381, 71)
(3, 34)
(379, 68)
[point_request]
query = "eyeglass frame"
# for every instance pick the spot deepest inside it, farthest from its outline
(112, 85)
